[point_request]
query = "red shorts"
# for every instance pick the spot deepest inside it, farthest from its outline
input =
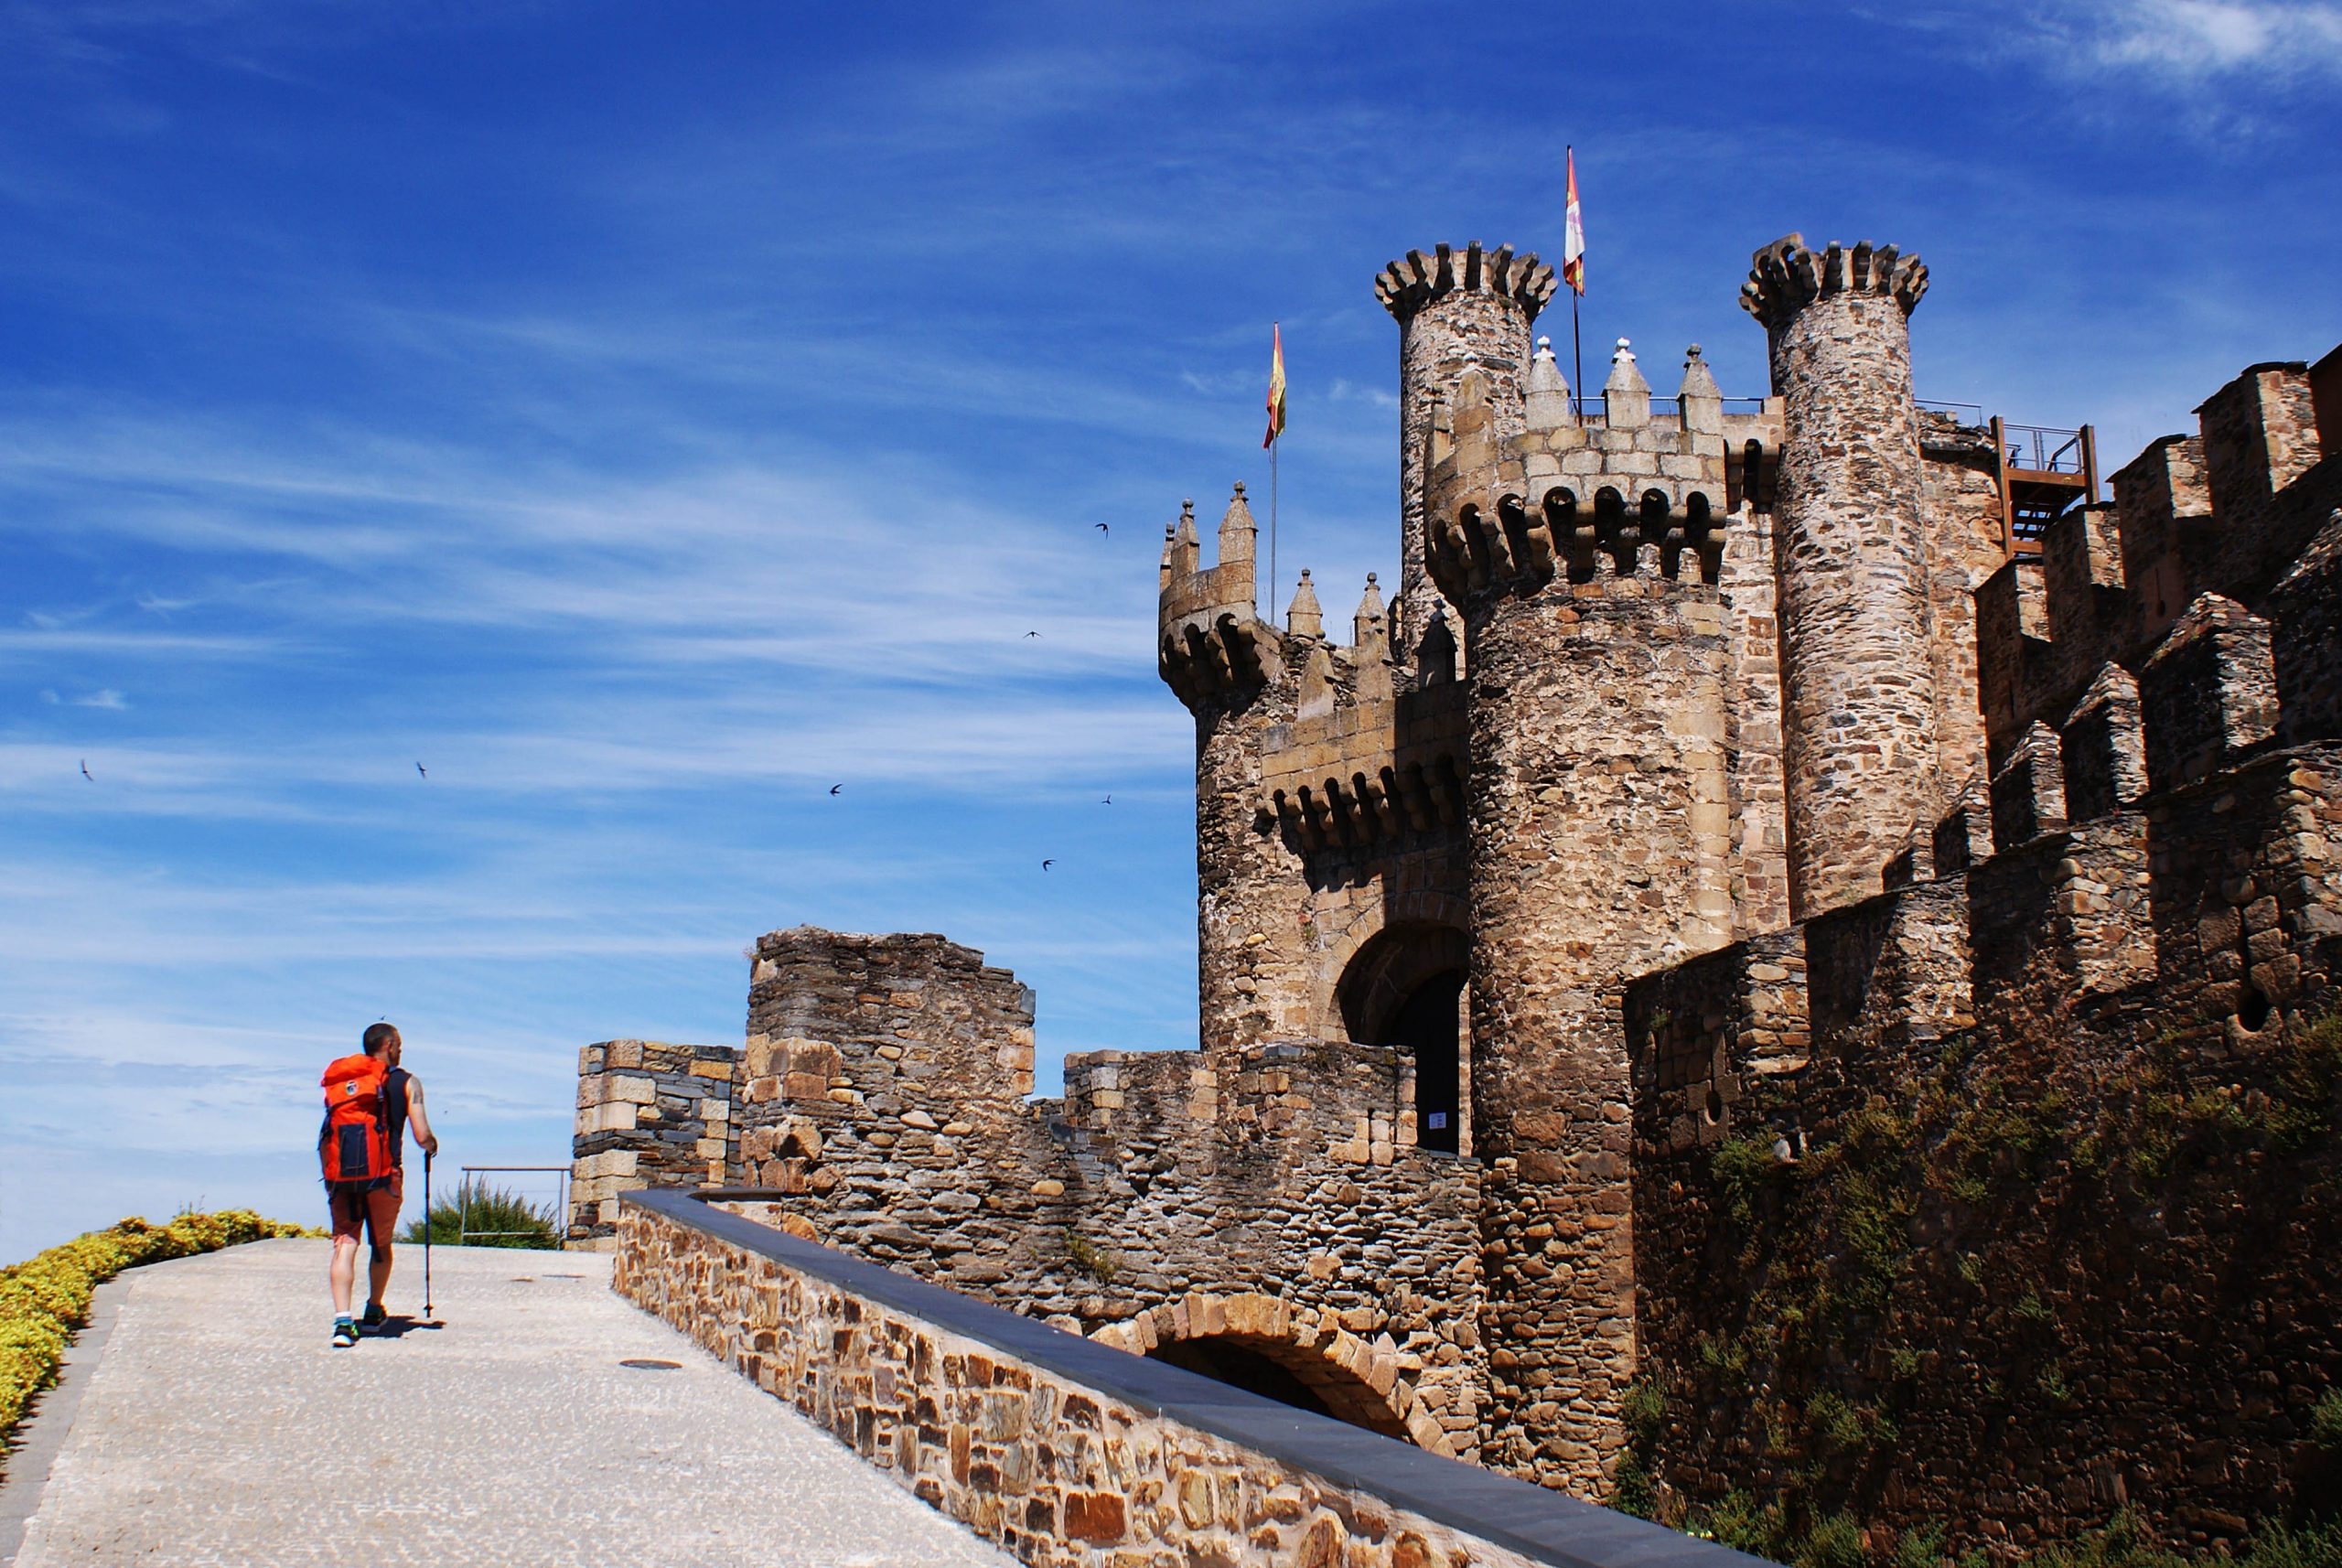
(370, 1206)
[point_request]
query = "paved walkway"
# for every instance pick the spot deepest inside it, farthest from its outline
(219, 1427)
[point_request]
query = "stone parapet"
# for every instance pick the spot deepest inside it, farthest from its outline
(2208, 694)
(1071, 1454)
(2235, 514)
(2305, 612)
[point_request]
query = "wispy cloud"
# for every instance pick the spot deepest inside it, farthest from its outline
(705, 421)
(2199, 40)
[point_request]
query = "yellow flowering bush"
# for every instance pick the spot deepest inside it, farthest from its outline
(45, 1298)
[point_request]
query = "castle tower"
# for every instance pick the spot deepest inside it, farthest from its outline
(1454, 312)
(1585, 559)
(1858, 691)
(1229, 668)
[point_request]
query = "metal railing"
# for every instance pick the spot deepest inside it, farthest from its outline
(1968, 413)
(2042, 449)
(464, 1232)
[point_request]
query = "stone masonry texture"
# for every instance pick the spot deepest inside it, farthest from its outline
(1857, 689)
(1599, 848)
(1740, 975)
(1057, 1474)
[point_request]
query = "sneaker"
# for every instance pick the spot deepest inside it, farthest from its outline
(375, 1318)
(344, 1334)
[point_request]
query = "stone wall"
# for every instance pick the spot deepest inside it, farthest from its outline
(883, 1111)
(648, 1114)
(2228, 514)
(1967, 542)
(1991, 1205)
(1067, 1454)
(2008, 1266)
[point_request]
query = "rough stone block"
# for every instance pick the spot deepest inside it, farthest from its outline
(2208, 694)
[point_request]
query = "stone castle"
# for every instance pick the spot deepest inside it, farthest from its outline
(1793, 957)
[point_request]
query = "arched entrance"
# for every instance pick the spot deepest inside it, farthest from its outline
(1405, 988)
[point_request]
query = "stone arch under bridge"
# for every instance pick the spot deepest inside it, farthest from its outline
(1293, 1354)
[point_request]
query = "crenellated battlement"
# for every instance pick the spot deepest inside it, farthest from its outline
(1623, 493)
(1415, 280)
(1209, 642)
(2226, 515)
(1785, 277)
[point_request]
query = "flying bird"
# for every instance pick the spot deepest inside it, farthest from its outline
(1032, 634)
(836, 788)
(85, 771)
(1103, 529)
(1107, 801)
(1046, 863)
(418, 767)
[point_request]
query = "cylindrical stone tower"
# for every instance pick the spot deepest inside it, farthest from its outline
(1598, 800)
(1858, 694)
(1231, 670)
(1454, 311)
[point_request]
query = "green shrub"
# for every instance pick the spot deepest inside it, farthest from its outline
(1643, 1408)
(1834, 1542)
(46, 1297)
(2325, 1422)
(1743, 1168)
(1631, 1488)
(2277, 1546)
(1919, 1548)
(477, 1207)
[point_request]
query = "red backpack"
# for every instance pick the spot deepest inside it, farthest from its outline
(356, 1145)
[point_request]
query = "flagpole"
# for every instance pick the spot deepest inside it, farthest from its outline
(1570, 240)
(1278, 436)
(1577, 358)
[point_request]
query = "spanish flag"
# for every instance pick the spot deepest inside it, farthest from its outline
(1276, 387)
(1573, 235)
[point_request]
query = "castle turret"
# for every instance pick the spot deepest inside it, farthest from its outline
(1858, 691)
(1584, 559)
(1229, 667)
(1455, 311)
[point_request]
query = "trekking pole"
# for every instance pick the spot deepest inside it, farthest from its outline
(426, 1235)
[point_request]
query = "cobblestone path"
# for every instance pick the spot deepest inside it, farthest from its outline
(219, 1427)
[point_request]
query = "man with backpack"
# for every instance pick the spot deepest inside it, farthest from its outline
(370, 1102)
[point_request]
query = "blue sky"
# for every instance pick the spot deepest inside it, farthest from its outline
(646, 417)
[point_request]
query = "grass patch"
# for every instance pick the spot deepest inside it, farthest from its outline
(1089, 1258)
(45, 1298)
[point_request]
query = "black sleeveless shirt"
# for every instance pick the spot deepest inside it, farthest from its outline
(395, 1108)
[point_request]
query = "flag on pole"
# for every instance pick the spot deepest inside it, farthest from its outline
(1573, 235)
(1276, 387)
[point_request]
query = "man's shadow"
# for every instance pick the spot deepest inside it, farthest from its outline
(398, 1326)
